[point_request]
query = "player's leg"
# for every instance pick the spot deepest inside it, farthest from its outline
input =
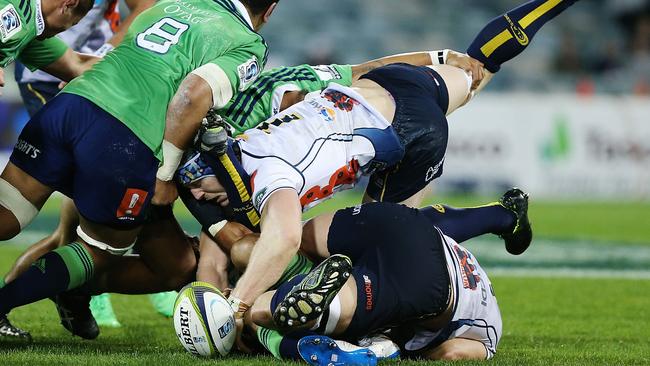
(64, 233)
(21, 197)
(76, 158)
(422, 99)
(507, 218)
(508, 35)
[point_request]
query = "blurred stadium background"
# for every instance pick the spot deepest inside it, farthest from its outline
(568, 121)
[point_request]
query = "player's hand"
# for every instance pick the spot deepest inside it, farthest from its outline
(465, 62)
(239, 342)
(165, 193)
(62, 84)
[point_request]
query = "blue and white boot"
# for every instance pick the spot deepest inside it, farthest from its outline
(321, 350)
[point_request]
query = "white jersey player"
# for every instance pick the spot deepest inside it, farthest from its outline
(476, 314)
(318, 147)
(408, 279)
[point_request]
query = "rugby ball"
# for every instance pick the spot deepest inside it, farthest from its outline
(204, 320)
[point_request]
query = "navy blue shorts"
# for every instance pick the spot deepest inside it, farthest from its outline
(398, 263)
(421, 100)
(36, 94)
(74, 147)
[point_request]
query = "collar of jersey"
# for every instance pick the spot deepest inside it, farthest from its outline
(244, 13)
(40, 22)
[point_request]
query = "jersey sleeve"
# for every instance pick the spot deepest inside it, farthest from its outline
(340, 74)
(38, 53)
(272, 177)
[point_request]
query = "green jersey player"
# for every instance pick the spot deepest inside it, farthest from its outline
(100, 141)
(26, 28)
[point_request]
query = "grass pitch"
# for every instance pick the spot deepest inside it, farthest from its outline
(547, 321)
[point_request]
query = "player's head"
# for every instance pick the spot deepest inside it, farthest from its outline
(261, 10)
(199, 178)
(60, 15)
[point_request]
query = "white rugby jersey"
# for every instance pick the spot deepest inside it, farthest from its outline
(87, 36)
(317, 147)
(476, 312)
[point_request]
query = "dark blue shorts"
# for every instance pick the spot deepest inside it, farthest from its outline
(74, 147)
(35, 95)
(398, 263)
(421, 100)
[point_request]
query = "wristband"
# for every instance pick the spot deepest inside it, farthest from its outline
(171, 159)
(238, 307)
(103, 50)
(439, 57)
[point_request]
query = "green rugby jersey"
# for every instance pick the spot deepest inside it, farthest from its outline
(136, 81)
(262, 99)
(21, 21)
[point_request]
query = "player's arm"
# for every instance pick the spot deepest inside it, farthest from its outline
(447, 57)
(71, 65)
(213, 263)
(279, 241)
(135, 7)
(211, 85)
(459, 349)
(55, 57)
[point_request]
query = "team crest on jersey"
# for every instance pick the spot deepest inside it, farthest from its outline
(11, 23)
(248, 72)
(340, 100)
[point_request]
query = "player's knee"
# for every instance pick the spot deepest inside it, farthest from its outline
(15, 210)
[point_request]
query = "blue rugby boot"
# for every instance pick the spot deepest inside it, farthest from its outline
(519, 239)
(307, 300)
(320, 350)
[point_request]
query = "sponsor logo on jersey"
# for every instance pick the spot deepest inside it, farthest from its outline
(225, 329)
(517, 32)
(27, 149)
(40, 22)
(10, 24)
(327, 72)
(340, 100)
(248, 72)
(367, 289)
(328, 114)
(131, 204)
(468, 270)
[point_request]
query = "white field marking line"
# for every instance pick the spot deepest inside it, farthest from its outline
(567, 273)
(558, 252)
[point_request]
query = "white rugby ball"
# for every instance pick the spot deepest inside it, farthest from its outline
(204, 321)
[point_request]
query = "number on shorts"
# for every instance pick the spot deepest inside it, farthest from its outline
(162, 35)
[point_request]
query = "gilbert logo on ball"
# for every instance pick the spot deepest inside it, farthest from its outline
(204, 321)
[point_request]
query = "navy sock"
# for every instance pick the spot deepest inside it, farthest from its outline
(57, 271)
(462, 224)
(503, 38)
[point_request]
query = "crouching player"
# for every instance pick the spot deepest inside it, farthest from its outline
(408, 277)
